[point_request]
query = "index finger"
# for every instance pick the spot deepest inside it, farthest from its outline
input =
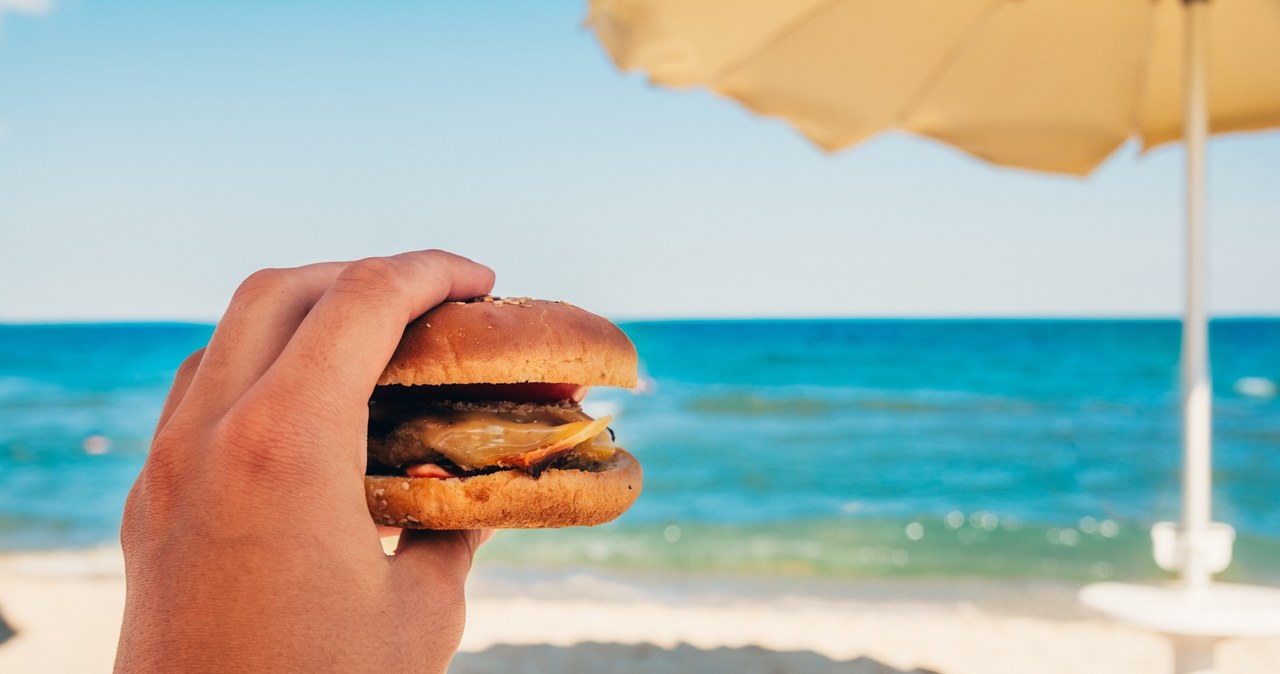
(346, 340)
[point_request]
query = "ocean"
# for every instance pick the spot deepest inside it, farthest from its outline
(824, 448)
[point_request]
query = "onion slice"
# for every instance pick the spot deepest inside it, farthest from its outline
(556, 445)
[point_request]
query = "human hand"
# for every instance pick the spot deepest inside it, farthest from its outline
(248, 545)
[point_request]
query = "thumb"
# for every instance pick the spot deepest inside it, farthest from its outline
(442, 555)
(430, 568)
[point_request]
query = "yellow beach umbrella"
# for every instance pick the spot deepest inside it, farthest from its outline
(1048, 85)
(1051, 85)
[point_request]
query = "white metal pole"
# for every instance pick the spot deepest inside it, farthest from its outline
(1196, 388)
(1193, 655)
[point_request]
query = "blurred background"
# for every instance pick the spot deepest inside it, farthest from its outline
(890, 362)
(155, 154)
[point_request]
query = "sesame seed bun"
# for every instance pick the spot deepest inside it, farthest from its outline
(493, 340)
(507, 499)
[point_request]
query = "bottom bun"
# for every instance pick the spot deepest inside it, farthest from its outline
(507, 499)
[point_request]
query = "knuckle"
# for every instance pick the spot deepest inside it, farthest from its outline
(438, 256)
(440, 261)
(263, 283)
(190, 364)
(163, 468)
(135, 522)
(258, 440)
(371, 278)
(154, 497)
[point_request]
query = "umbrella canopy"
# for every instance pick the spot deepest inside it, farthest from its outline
(1052, 85)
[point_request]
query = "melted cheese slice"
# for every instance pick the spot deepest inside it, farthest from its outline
(476, 440)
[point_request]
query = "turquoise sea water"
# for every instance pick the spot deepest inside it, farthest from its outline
(831, 448)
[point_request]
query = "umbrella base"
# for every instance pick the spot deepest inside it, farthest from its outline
(1195, 618)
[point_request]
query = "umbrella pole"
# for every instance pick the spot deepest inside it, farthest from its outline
(1197, 392)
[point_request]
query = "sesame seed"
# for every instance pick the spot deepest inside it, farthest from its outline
(414, 519)
(382, 505)
(379, 492)
(404, 486)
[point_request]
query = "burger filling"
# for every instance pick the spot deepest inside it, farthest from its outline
(455, 439)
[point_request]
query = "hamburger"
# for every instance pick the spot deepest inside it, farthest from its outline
(476, 421)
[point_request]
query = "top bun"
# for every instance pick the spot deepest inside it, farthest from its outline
(493, 340)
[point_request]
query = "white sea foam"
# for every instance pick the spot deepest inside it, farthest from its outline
(1255, 387)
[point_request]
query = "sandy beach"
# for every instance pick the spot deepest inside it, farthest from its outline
(61, 612)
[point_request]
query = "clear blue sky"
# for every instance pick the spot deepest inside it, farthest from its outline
(154, 153)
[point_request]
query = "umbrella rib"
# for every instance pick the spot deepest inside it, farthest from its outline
(778, 36)
(944, 64)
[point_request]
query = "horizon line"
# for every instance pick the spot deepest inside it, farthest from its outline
(674, 318)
